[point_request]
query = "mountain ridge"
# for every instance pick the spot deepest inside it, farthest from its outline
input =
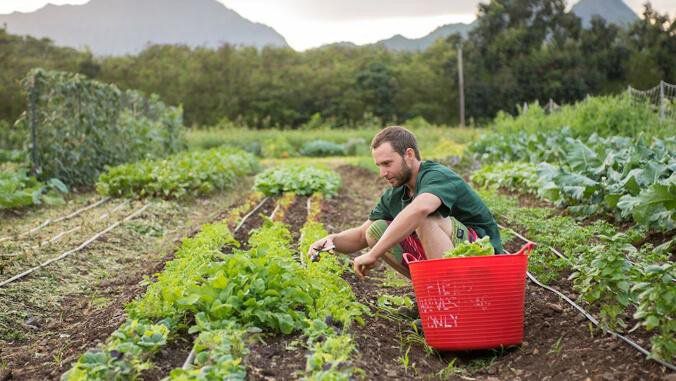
(107, 27)
(613, 11)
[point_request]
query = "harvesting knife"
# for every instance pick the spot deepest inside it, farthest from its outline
(315, 256)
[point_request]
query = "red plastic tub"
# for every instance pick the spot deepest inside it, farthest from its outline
(471, 302)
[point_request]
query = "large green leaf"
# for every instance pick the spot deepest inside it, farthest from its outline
(656, 205)
(580, 157)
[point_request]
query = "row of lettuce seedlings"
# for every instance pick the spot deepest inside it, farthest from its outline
(228, 300)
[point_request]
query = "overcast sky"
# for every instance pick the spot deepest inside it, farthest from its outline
(358, 21)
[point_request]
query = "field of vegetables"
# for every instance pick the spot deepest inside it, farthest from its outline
(191, 266)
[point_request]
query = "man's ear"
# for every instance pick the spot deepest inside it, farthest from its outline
(410, 153)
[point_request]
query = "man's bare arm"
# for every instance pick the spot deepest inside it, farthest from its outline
(403, 225)
(406, 222)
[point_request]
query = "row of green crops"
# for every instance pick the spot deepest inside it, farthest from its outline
(232, 299)
(319, 148)
(298, 179)
(605, 116)
(602, 157)
(18, 190)
(624, 177)
(331, 349)
(74, 126)
(281, 143)
(153, 319)
(186, 173)
(434, 142)
(615, 272)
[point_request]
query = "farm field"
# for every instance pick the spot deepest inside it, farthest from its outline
(76, 304)
(135, 248)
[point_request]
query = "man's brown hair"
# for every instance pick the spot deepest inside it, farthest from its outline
(400, 139)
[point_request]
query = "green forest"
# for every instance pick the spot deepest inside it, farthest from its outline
(520, 51)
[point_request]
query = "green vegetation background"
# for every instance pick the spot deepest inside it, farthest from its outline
(540, 52)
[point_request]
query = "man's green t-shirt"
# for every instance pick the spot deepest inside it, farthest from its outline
(458, 200)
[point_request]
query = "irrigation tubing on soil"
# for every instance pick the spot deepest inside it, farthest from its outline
(82, 246)
(260, 204)
(49, 221)
(66, 232)
(587, 314)
(115, 209)
(272, 215)
(301, 256)
(191, 356)
(553, 250)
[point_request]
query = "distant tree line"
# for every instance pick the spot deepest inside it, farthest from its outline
(520, 51)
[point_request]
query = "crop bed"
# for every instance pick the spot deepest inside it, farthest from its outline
(559, 342)
(48, 318)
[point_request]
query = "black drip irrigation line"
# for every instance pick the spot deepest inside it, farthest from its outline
(587, 314)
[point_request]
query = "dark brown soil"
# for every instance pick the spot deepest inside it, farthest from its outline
(170, 357)
(254, 221)
(296, 215)
(276, 358)
(527, 200)
(658, 238)
(78, 328)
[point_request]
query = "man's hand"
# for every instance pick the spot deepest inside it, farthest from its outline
(323, 244)
(364, 263)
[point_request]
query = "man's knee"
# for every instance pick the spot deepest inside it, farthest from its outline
(375, 231)
(430, 223)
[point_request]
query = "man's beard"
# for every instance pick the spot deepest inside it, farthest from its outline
(404, 176)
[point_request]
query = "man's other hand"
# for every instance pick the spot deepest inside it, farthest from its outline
(363, 263)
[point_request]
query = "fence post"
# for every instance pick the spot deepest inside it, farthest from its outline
(33, 96)
(662, 103)
(461, 87)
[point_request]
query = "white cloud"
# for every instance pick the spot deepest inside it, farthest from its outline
(302, 31)
(662, 6)
(363, 9)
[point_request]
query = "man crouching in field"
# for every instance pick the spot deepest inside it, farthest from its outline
(428, 210)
